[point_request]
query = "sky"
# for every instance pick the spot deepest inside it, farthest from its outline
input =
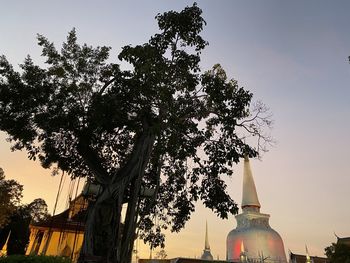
(291, 54)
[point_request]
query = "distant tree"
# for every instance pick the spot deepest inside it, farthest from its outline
(18, 224)
(10, 197)
(161, 254)
(338, 253)
(162, 125)
(15, 217)
(37, 210)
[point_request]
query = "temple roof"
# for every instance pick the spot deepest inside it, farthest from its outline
(343, 240)
(66, 220)
(61, 222)
(250, 196)
(295, 258)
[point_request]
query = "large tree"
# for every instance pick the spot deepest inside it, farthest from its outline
(163, 124)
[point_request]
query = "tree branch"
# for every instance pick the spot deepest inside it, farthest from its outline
(92, 160)
(105, 86)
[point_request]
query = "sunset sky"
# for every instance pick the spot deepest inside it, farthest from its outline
(291, 54)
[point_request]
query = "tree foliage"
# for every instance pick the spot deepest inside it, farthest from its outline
(34, 259)
(161, 254)
(338, 253)
(37, 210)
(163, 124)
(34, 212)
(10, 197)
(16, 217)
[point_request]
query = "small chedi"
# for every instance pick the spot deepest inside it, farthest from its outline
(253, 240)
(206, 252)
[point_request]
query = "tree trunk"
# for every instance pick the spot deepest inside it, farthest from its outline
(105, 238)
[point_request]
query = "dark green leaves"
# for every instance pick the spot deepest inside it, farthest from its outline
(10, 197)
(186, 25)
(338, 252)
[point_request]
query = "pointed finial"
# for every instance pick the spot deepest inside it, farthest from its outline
(250, 196)
(308, 260)
(242, 247)
(336, 235)
(206, 252)
(206, 245)
(3, 251)
(242, 255)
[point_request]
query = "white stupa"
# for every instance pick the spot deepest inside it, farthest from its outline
(253, 229)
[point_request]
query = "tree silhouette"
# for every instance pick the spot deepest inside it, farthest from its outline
(15, 217)
(10, 197)
(163, 125)
(338, 253)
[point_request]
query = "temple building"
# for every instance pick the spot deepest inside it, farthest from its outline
(253, 240)
(62, 234)
(295, 258)
(343, 240)
(206, 257)
(253, 234)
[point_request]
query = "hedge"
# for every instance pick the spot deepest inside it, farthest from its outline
(33, 259)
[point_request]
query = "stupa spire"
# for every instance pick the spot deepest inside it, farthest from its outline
(250, 196)
(206, 245)
(253, 232)
(206, 252)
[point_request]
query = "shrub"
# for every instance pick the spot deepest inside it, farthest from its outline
(33, 259)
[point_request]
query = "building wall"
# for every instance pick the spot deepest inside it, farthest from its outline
(54, 243)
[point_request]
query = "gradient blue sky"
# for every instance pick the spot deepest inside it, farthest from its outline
(291, 54)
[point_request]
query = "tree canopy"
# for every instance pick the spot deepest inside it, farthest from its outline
(16, 217)
(338, 253)
(164, 124)
(10, 197)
